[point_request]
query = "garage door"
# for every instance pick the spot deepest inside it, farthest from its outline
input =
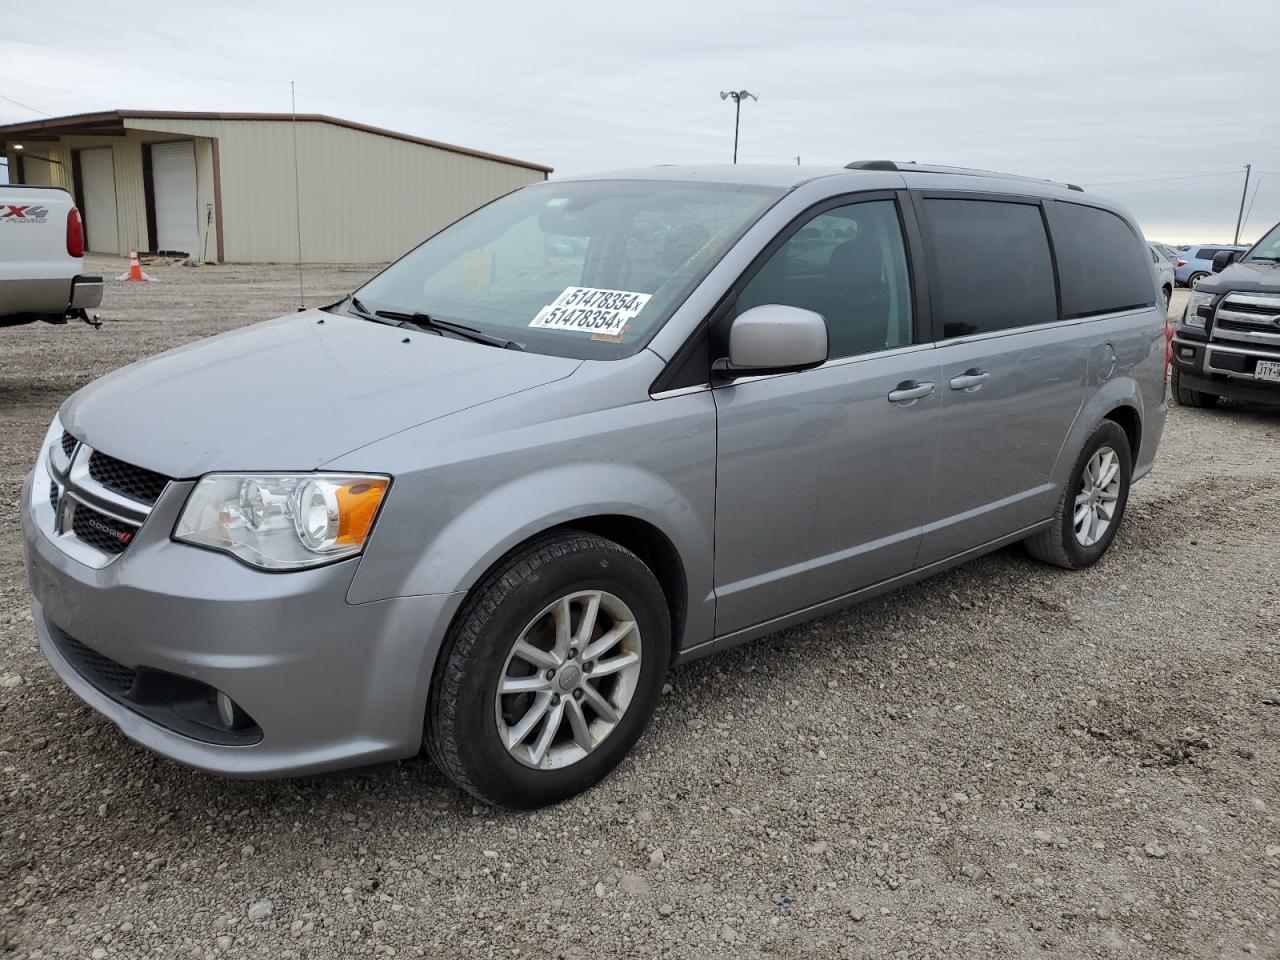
(173, 177)
(98, 180)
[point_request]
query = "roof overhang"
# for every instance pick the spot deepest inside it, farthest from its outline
(113, 123)
(109, 124)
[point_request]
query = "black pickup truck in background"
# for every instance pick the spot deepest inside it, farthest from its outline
(1228, 341)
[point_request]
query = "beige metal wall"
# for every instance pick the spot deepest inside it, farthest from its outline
(126, 154)
(366, 198)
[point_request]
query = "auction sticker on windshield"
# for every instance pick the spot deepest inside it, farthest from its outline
(591, 310)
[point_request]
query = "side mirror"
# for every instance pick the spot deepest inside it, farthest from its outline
(1223, 259)
(774, 338)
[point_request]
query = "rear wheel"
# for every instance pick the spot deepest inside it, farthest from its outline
(1185, 396)
(551, 672)
(1168, 296)
(1092, 504)
(1195, 278)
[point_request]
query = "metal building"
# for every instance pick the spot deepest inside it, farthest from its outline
(221, 186)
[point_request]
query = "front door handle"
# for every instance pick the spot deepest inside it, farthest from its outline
(909, 391)
(972, 379)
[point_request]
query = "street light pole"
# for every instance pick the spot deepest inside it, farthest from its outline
(737, 97)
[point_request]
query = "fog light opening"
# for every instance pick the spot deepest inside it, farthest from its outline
(232, 717)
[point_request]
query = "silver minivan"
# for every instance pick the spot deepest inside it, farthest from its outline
(598, 427)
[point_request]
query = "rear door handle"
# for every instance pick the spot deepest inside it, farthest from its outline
(970, 380)
(909, 391)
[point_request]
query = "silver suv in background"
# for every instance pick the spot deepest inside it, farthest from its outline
(599, 426)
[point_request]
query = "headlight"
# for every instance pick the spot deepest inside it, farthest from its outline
(1192, 317)
(282, 521)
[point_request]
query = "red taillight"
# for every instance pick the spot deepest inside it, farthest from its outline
(1182, 263)
(75, 234)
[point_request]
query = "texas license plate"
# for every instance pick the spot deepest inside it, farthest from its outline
(1268, 370)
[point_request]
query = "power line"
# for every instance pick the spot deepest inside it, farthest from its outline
(25, 106)
(1251, 199)
(262, 85)
(1193, 176)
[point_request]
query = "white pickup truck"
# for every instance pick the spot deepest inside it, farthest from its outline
(41, 256)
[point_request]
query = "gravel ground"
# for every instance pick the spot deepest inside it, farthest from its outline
(1004, 761)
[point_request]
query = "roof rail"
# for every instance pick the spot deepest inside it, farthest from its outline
(958, 171)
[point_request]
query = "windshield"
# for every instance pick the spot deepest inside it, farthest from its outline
(587, 269)
(1268, 248)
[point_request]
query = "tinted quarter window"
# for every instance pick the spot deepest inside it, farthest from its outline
(1100, 263)
(991, 266)
(850, 265)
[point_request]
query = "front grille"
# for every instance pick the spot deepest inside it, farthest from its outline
(1256, 305)
(68, 443)
(1263, 327)
(137, 483)
(103, 672)
(101, 531)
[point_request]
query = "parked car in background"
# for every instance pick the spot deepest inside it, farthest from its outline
(1228, 343)
(1196, 263)
(489, 507)
(41, 256)
(1164, 272)
(1172, 254)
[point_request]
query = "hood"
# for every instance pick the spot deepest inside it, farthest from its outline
(292, 394)
(1250, 276)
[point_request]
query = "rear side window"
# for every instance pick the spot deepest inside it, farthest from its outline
(1204, 253)
(991, 266)
(1100, 262)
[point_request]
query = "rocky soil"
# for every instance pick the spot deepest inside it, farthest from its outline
(1005, 761)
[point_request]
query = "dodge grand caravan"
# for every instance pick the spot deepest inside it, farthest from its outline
(597, 427)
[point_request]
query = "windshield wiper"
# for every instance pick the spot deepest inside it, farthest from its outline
(359, 310)
(424, 321)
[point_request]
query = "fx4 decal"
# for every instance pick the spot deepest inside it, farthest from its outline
(12, 211)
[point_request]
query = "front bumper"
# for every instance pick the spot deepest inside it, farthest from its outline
(1197, 370)
(332, 685)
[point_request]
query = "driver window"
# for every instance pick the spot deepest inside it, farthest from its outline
(850, 265)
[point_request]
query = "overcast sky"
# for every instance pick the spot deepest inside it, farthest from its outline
(1090, 92)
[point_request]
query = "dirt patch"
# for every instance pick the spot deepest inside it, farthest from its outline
(1004, 761)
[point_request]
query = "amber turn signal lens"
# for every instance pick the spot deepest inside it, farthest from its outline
(358, 504)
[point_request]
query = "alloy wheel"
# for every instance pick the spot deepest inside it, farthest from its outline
(1099, 493)
(568, 679)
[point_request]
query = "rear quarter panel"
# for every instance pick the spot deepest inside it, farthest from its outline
(1135, 378)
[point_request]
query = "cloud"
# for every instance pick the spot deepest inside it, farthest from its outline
(1095, 91)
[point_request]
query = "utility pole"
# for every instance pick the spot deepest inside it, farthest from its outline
(797, 161)
(737, 96)
(1248, 167)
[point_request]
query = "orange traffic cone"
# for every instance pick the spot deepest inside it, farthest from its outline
(135, 274)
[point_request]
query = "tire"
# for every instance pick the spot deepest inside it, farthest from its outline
(1168, 296)
(521, 599)
(1060, 544)
(1196, 278)
(1187, 397)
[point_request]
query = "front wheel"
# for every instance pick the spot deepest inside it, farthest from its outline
(1092, 504)
(550, 673)
(1185, 396)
